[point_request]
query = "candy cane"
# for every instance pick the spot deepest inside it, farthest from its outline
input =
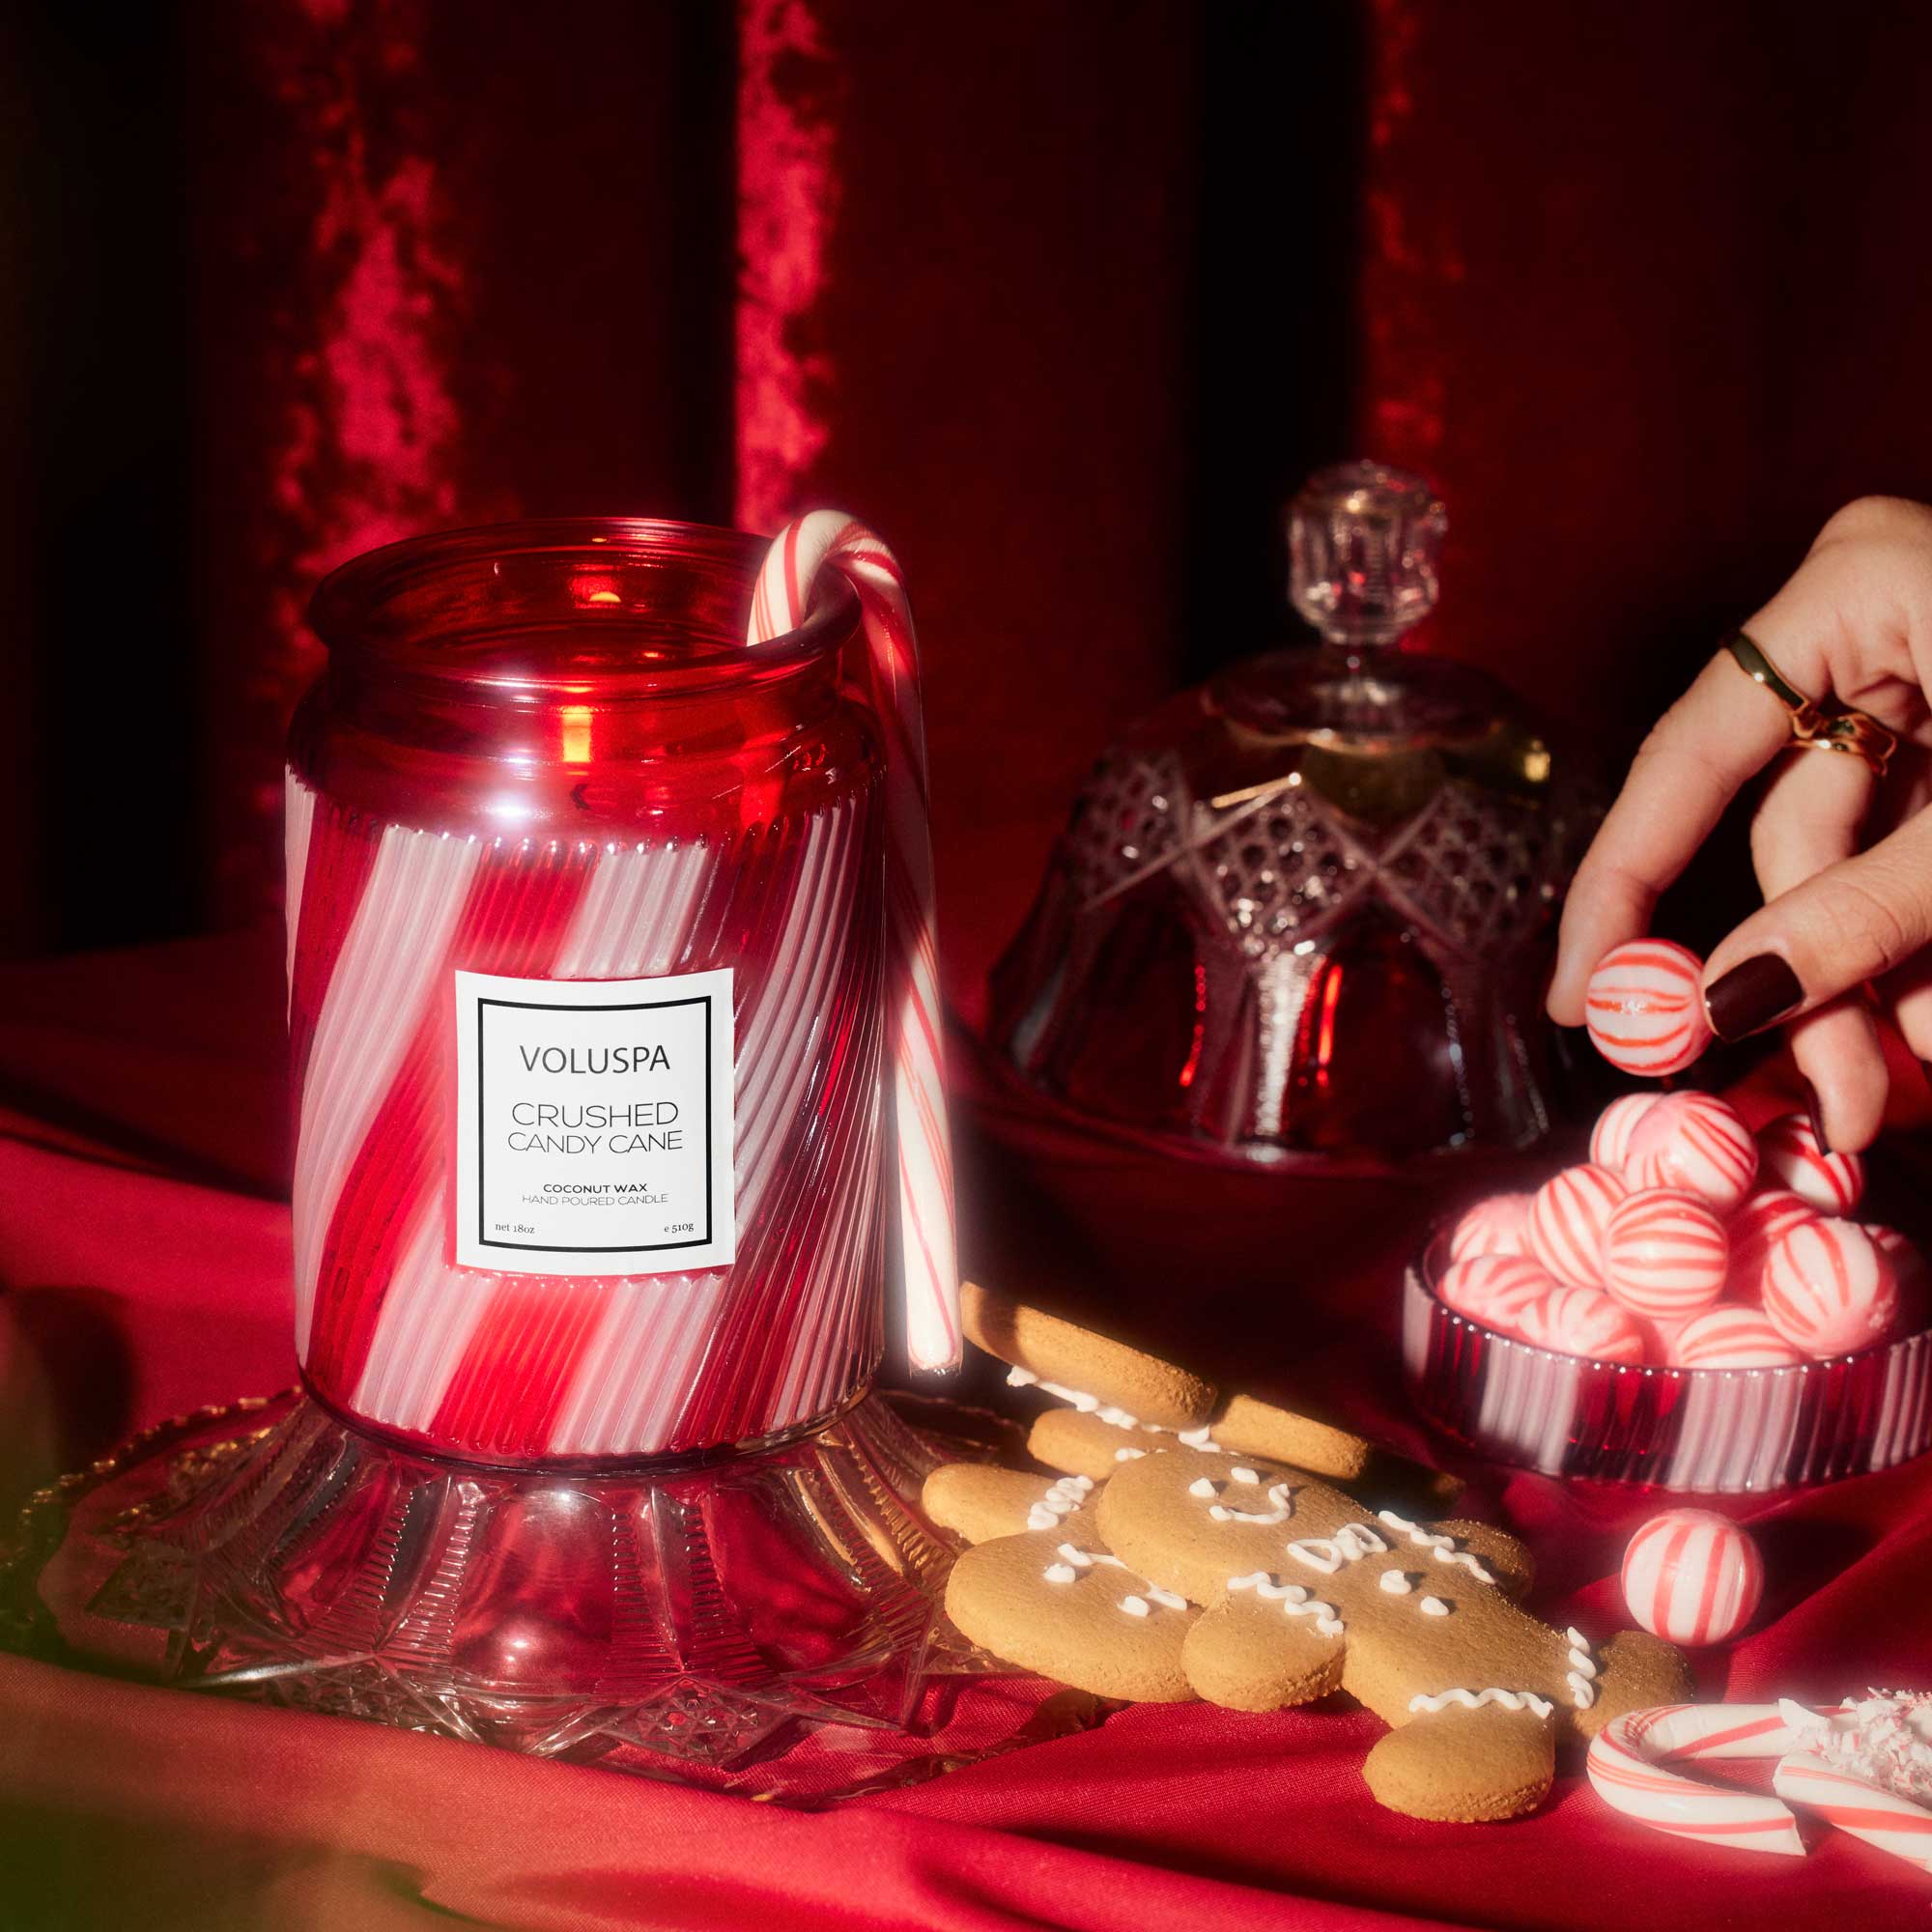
(1629, 1766)
(1628, 1760)
(1866, 1810)
(930, 1279)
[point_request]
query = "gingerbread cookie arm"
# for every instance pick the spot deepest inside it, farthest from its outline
(1265, 1649)
(1474, 1757)
(979, 1502)
(1058, 1603)
(1633, 1671)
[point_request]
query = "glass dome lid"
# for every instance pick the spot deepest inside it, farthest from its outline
(1301, 913)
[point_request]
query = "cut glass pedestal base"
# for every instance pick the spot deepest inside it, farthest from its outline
(770, 1625)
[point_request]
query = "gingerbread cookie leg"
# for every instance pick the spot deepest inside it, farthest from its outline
(1093, 1372)
(1083, 1445)
(1467, 1762)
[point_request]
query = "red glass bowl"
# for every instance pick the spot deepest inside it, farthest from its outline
(1718, 1431)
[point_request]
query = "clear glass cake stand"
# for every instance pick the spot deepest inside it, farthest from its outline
(769, 1624)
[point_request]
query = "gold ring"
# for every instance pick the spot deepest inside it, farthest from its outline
(1812, 727)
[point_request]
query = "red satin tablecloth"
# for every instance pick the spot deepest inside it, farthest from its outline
(144, 1254)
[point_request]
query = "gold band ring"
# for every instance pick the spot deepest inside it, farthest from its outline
(1812, 727)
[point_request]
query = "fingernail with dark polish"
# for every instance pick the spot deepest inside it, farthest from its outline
(1817, 1114)
(1749, 996)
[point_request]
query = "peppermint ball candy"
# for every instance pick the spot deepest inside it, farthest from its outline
(1754, 1230)
(1693, 1576)
(1498, 1226)
(1789, 1154)
(1664, 1254)
(1909, 1270)
(1908, 1264)
(1696, 1144)
(1494, 1290)
(1731, 1337)
(1610, 1137)
(1645, 1007)
(1569, 1215)
(1827, 1290)
(1582, 1322)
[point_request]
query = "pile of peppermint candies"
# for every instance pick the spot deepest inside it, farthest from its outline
(1686, 1240)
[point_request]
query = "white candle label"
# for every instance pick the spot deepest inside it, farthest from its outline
(594, 1124)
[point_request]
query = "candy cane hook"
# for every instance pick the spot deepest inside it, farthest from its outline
(930, 1275)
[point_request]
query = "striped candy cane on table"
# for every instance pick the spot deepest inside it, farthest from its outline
(1630, 1759)
(1867, 1811)
(1629, 1766)
(929, 1283)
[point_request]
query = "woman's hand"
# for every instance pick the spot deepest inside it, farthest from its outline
(1845, 860)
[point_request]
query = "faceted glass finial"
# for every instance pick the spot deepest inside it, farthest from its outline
(1362, 548)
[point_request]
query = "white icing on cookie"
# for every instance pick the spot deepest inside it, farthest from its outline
(1433, 1607)
(1293, 1600)
(1079, 1399)
(1444, 1546)
(1074, 1560)
(1582, 1671)
(1085, 1404)
(1151, 1594)
(1398, 1583)
(1085, 1559)
(1204, 1486)
(1061, 1500)
(1348, 1545)
(1243, 1475)
(1281, 1506)
(1474, 1700)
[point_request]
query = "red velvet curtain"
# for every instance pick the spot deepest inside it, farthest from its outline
(1062, 299)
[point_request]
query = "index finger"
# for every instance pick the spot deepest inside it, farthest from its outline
(1723, 731)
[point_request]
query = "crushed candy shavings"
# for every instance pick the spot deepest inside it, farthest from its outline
(1885, 1739)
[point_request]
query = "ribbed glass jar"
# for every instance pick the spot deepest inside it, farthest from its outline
(586, 962)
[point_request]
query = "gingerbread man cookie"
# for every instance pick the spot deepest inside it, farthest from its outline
(1308, 1591)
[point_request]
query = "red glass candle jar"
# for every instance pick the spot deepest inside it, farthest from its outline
(585, 1000)
(604, 922)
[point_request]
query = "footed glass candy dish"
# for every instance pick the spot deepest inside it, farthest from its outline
(767, 1624)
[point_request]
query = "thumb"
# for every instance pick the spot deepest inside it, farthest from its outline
(1842, 927)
